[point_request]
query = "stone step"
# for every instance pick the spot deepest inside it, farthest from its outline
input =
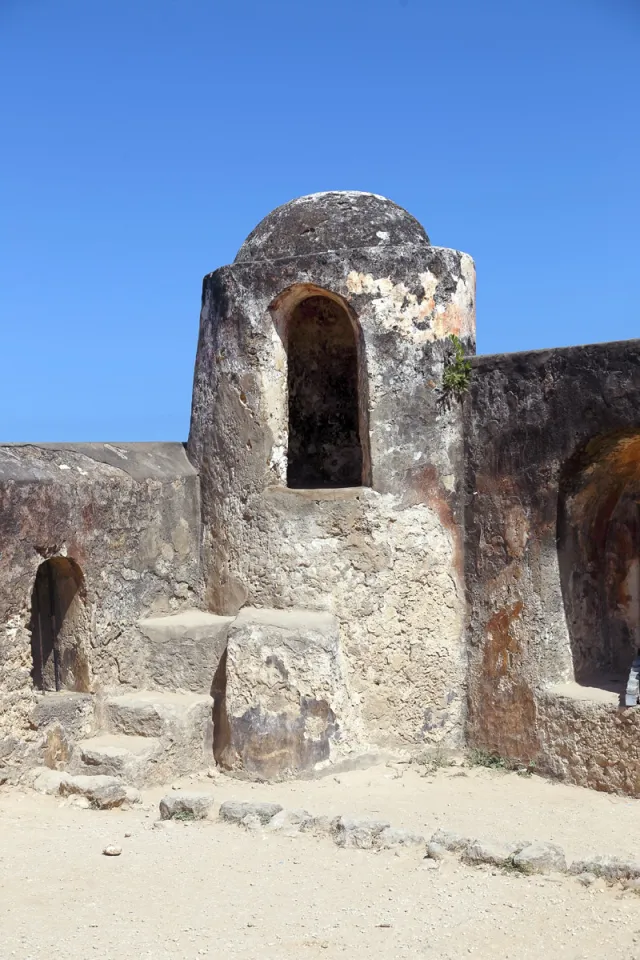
(154, 713)
(183, 651)
(98, 791)
(73, 711)
(181, 723)
(131, 758)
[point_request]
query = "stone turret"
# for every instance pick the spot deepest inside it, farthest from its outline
(330, 473)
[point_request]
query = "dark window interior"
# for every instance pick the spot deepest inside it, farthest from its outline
(324, 438)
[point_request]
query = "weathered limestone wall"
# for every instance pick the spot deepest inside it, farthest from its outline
(550, 448)
(481, 567)
(127, 515)
(586, 738)
(385, 559)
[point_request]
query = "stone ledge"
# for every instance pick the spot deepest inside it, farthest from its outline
(570, 690)
(309, 493)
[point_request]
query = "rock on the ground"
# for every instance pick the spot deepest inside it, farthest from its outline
(435, 851)
(320, 826)
(290, 822)
(112, 850)
(235, 812)
(453, 842)
(252, 822)
(610, 868)
(393, 837)
(539, 857)
(363, 834)
(285, 694)
(133, 795)
(586, 879)
(182, 805)
(498, 853)
(102, 792)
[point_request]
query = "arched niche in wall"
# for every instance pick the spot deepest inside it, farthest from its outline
(327, 389)
(59, 627)
(598, 540)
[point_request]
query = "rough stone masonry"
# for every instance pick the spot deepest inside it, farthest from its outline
(343, 558)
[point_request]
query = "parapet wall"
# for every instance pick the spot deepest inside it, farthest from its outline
(551, 456)
(126, 519)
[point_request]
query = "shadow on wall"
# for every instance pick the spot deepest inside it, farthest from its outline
(59, 627)
(598, 538)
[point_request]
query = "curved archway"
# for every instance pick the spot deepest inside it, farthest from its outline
(58, 627)
(327, 396)
(599, 557)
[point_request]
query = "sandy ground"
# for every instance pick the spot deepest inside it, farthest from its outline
(214, 890)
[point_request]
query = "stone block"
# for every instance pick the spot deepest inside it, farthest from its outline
(498, 853)
(451, 841)
(182, 652)
(48, 781)
(235, 812)
(539, 857)
(131, 758)
(283, 706)
(321, 826)
(392, 837)
(74, 712)
(363, 834)
(290, 822)
(186, 806)
(101, 791)
(178, 726)
(610, 868)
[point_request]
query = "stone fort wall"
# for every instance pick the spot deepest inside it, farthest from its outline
(125, 518)
(552, 460)
(463, 572)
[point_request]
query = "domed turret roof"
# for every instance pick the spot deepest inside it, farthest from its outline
(335, 220)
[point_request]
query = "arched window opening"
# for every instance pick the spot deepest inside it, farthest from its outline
(599, 558)
(59, 627)
(325, 446)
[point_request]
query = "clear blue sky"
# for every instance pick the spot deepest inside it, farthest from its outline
(143, 139)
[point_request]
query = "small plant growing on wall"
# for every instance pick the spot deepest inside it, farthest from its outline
(457, 372)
